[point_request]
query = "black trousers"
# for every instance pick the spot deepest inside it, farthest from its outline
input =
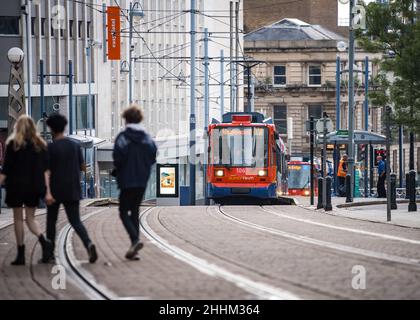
(341, 189)
(130, 200)
(381, 186)
(73, 215)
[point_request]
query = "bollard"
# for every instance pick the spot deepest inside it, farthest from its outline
(412, 206)
(320, 182)
(393, 191)
(348, 189)
(407, 186)
(328, 205)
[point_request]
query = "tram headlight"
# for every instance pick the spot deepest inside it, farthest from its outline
(306, 192)
(262, 173)
(219, 173)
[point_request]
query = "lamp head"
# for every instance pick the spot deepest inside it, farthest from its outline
(15, 55)
(341, 46)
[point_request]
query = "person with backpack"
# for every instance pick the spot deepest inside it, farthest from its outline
(134, 154)
(24, 173)
(65, 164)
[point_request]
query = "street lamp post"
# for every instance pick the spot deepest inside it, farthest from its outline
(351, 104)
(16, 96)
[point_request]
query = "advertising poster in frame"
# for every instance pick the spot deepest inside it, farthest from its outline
(167, 180)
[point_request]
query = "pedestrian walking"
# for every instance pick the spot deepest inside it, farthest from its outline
(381, 177)
(341, 174)
(65, 164)
(134, 154)
(24, 173)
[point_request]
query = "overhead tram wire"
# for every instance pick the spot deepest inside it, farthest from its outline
(170, 17)
(154, 57)
(179, 11)
(176, 47)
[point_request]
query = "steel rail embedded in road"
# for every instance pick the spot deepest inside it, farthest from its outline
(326, 225)
(81, 278)
(322, 243)
(261, 290)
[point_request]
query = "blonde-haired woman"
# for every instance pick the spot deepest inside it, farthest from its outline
(24, 171)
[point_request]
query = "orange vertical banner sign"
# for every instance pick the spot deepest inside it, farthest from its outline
(114, 33)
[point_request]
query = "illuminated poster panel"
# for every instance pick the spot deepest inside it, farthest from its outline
(167, 180)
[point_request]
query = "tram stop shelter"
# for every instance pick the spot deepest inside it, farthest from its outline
(341, 137)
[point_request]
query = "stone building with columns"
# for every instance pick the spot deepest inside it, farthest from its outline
(298, 78)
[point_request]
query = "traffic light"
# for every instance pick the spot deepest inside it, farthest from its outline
(361, 152)
(378, 152)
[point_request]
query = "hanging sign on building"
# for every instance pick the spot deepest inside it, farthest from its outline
(114, 33)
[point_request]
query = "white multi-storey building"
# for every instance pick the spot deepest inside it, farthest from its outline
(161, 73)
(61, 30)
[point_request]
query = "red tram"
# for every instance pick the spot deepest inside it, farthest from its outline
(247, 158)
(299, 178)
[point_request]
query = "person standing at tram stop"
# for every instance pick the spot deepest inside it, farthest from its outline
(134, 154)
(381, 177)
(341, 174)
(65, 164)
(25, 175)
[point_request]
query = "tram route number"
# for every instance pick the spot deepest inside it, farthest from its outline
(210, 309)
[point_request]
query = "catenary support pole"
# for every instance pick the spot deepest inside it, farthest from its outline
(366, 105)
(206, 109)
(70, 75)
(222, 83)
(192, 104)
(312, 147)
(351, 105)
(42, 95)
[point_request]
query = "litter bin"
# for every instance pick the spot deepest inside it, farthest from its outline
(184, 197)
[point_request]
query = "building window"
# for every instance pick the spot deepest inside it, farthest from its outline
(280, 119)
(315, 75)
(279, 75)
(88, 29)
(315, 111)
(80, 29)
(42, 26)
(71, 28)
(81, 112)
(33, 26)
(52, 28)
(9, 25)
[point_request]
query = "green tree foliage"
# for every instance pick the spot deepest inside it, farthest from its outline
(394, 30)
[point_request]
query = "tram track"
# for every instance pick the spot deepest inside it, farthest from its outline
(252, 269)
(81, 278)
(256, 288)
(334, 247)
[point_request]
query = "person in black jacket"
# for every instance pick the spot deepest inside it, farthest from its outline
(134, 154)
(24, 172)
(65, 164)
